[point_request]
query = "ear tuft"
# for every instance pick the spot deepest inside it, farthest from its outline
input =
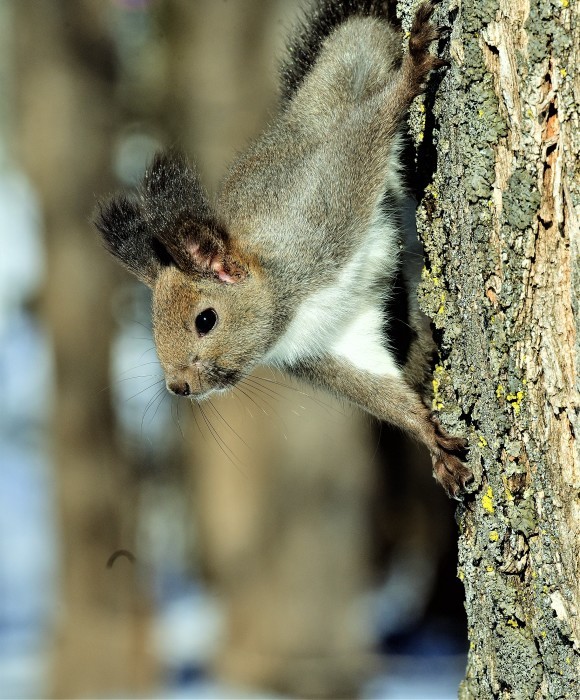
(180, 215)
(167, 221)
(122, 225)
(172, 191)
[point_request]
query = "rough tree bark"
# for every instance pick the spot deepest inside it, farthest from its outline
(498, 143)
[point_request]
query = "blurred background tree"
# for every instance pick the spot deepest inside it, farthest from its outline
(68, 116)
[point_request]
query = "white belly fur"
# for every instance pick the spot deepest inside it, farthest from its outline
(346, 318)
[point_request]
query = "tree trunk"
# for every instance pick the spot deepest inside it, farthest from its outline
(66, 126)
(283, 492)
(498, 157)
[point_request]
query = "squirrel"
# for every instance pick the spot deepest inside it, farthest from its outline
(298, 259)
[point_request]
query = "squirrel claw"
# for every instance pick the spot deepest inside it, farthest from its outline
(449, 466)
(452, 474)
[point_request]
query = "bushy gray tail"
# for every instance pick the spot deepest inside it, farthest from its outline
(316, 26)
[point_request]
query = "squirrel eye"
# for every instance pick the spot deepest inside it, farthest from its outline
(205, 321)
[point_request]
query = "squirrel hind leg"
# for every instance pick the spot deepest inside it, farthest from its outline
(419, 62)
(422, 31)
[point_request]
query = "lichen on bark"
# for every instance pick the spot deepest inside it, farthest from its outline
(498, 219)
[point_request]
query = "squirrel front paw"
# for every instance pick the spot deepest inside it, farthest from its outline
(452, 474)
(449, 467)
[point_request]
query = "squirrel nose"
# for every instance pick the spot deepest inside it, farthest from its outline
(181, 389)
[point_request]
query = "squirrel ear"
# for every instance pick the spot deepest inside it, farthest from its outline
(168, 222)
(126, 235)
(182, 220)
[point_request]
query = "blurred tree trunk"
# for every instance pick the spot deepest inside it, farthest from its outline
(67, 116)
(499, 219)
(284, 524)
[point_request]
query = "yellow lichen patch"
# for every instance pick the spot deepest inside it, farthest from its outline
(494, 536)
(565, 3)
(563, 72)
(500, 391)
(421, 136)
(482, 441)
(434, 267)
(432, 190)
(421, 107)
(442, 298)
(432, 277)
(489, 569)
(438, 402)
(512, 623)
(487, 500)
(461, 575)
(508, 494)
(516, 401)
(435, 387)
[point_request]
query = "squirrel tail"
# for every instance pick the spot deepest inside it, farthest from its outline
(316, 26)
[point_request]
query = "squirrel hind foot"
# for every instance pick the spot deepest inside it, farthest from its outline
(423, 33)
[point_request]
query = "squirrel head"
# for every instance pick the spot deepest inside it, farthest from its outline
(212, 311)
